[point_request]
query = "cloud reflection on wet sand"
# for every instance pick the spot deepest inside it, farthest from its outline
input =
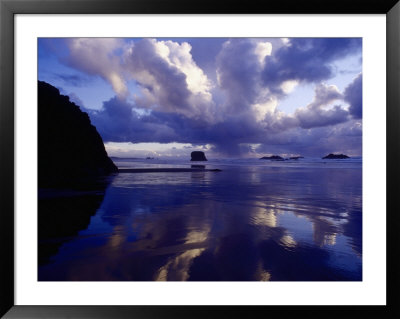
(264, 224)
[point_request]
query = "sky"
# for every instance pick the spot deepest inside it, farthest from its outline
(229, 97)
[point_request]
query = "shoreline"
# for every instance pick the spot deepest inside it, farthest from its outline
(165, 170)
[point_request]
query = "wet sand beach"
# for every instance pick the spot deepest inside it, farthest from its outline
(245, 223)
(165, 170)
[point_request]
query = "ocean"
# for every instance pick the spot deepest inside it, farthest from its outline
(255, 220)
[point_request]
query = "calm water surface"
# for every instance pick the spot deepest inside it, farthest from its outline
(267, 221)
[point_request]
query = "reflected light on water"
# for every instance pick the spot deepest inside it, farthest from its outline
(263, 217)
(117, 238)
(177, 269)
(288, 241)
(196, 236)
(237, 225)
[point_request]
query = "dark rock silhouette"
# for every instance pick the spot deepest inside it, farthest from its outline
(335, 156)
(273, 158)
(61, 216)
(198, 156)
(295, 157)
(70, 148)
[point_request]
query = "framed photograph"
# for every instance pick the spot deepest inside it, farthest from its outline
(173, 159)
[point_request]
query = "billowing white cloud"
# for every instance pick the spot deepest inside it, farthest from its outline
(288, 86)
(97, 56)
(262, 50)
(169, 78)
(175, 100)
(239, 66)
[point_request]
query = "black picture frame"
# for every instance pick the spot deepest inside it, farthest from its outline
(8, 10)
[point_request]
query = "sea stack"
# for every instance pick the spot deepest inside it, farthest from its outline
(335, 156)
(198, 156)
(69, 147)
(272, 158)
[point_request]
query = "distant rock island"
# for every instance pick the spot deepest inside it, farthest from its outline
(295, 157)
(198, 156)
(69, 146)
(273, 158)
(335, 156)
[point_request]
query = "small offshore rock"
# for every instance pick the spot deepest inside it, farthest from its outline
(273, 158)
(335, 156)
(198, 156)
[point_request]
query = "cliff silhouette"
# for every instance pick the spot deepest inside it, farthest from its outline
(70, 149)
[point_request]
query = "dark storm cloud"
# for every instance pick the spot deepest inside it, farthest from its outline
(319, 117)
(353, 95)
(306, 60)
(342, 138)
(316, 114)
(229, 136)
(118, 122)
(238, 73)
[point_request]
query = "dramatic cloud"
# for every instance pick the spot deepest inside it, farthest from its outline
(97, 56)
(239, 70)
(306, 60)
(353, 95)
(163, 95)
(170, 80)
(342, 138)
(317, 114)
(118, 122)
